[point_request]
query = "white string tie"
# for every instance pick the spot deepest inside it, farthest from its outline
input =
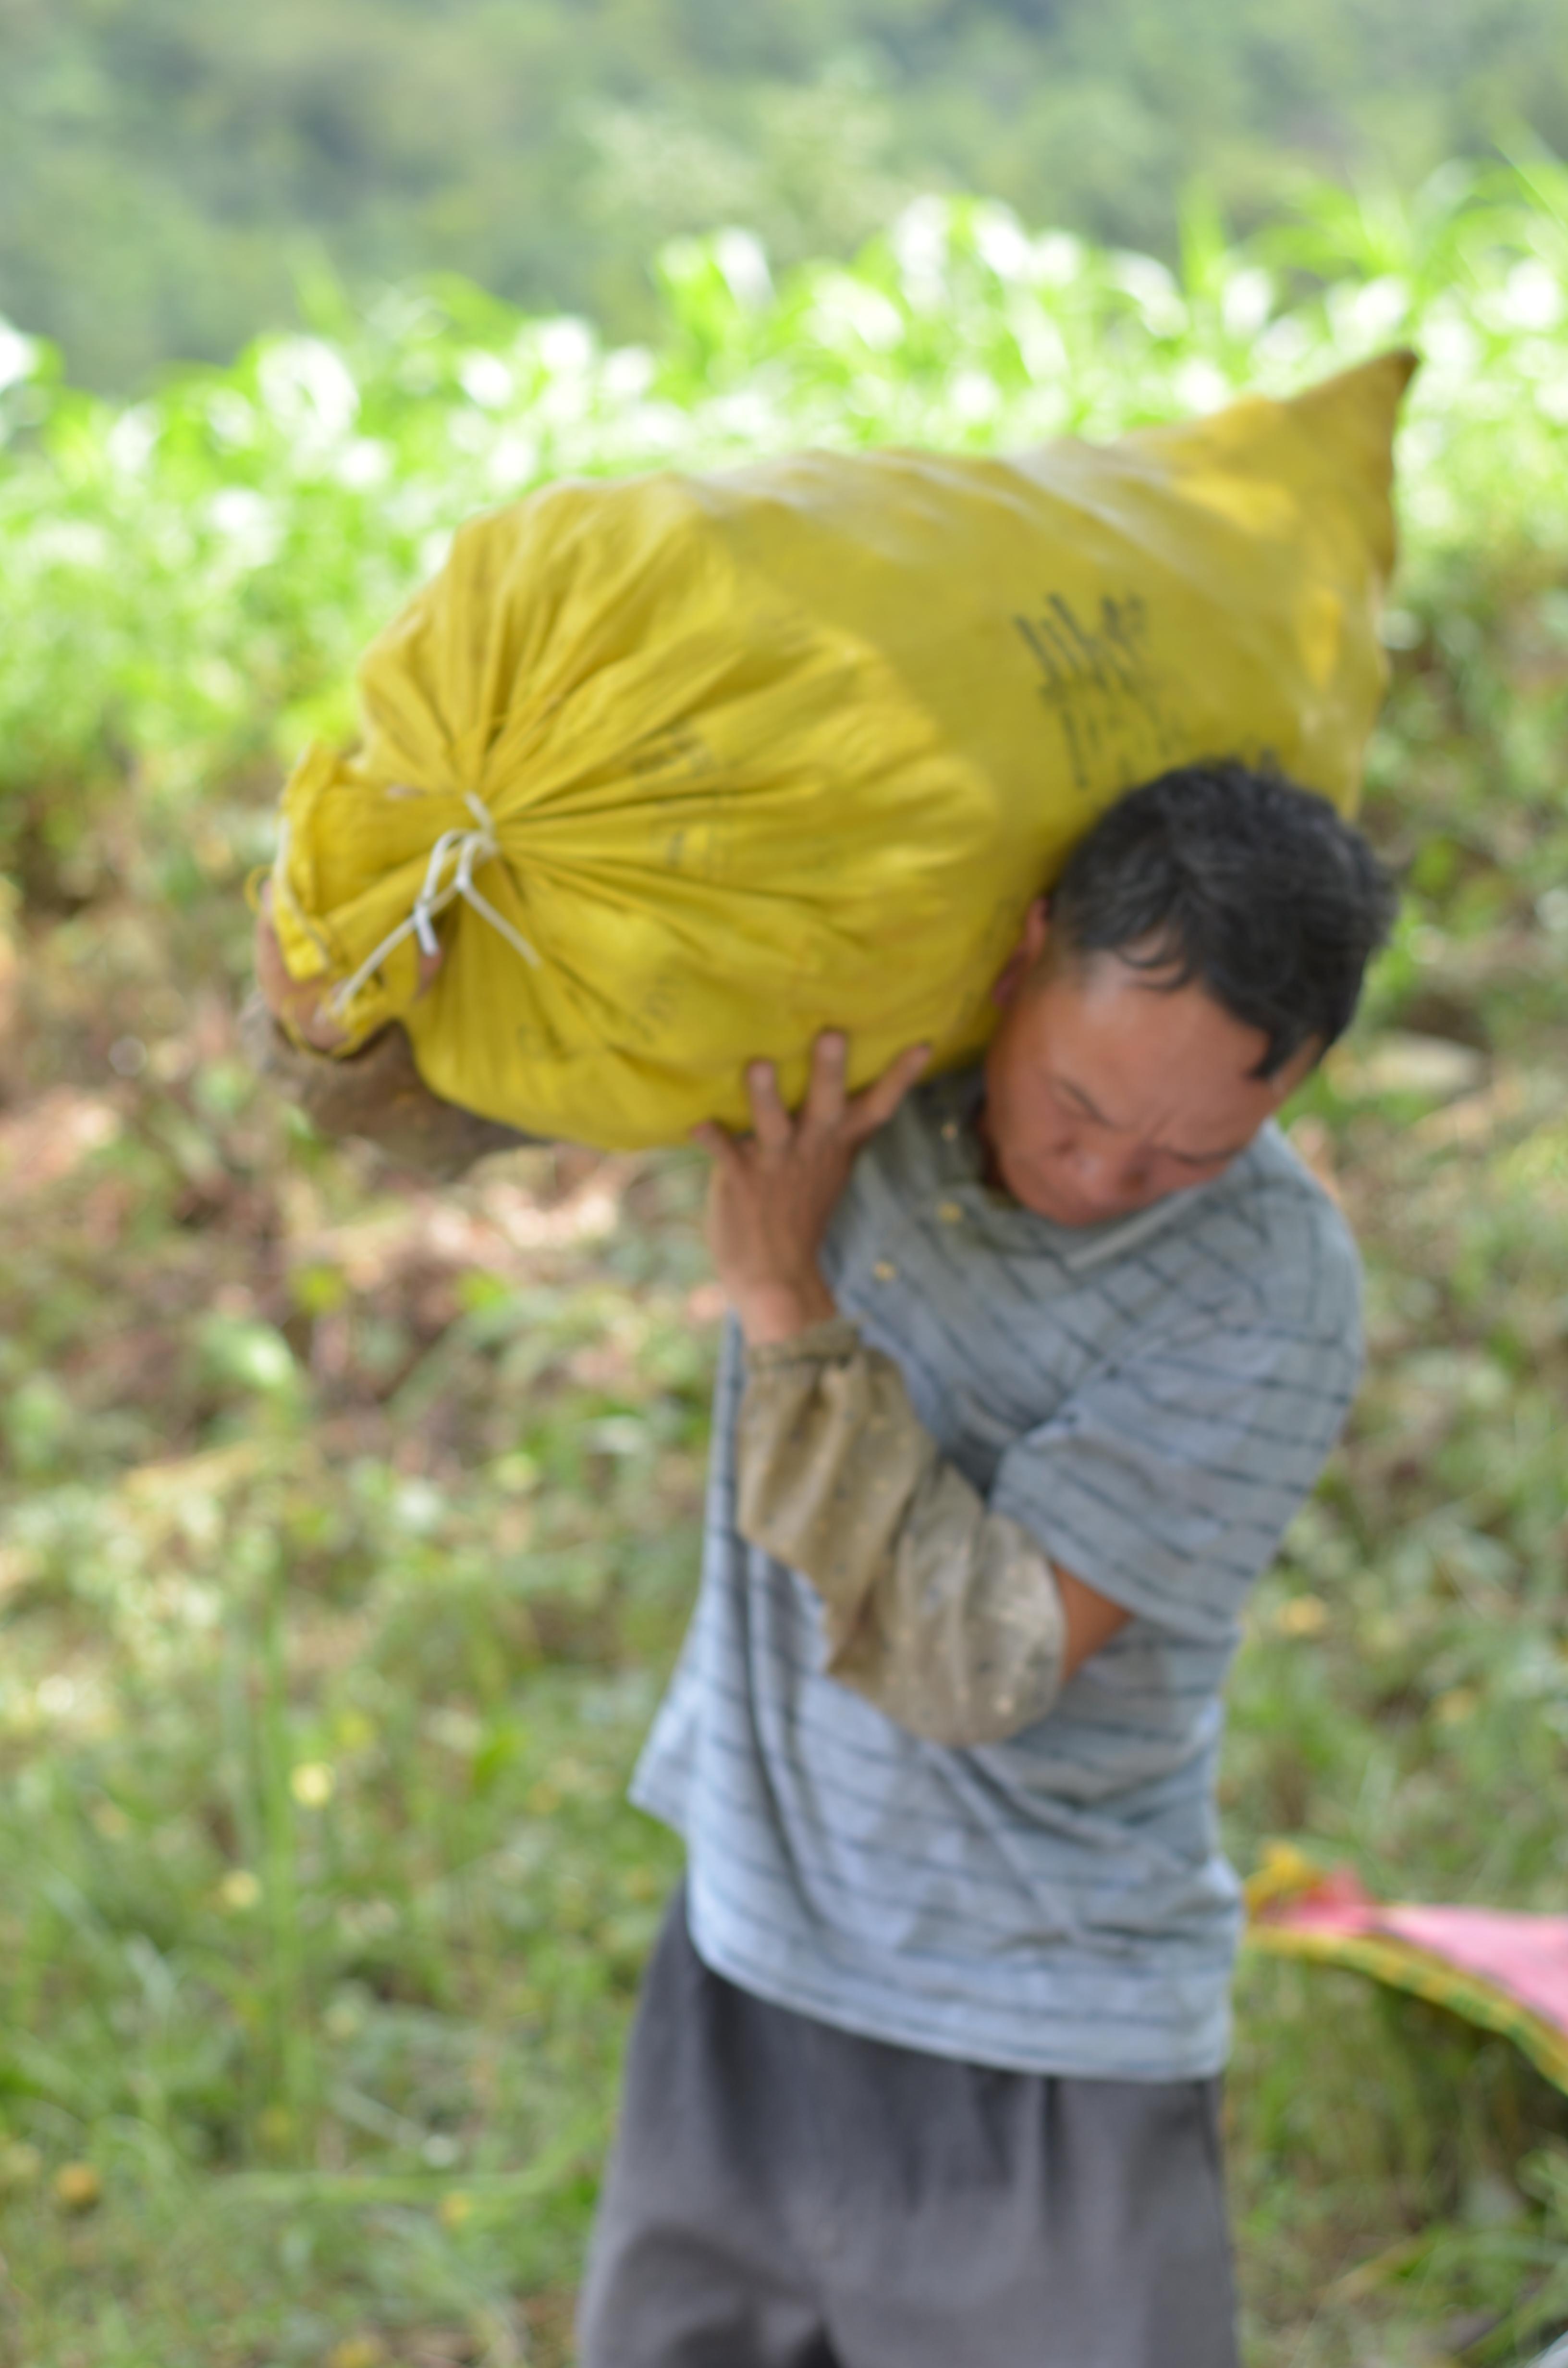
(461, 852)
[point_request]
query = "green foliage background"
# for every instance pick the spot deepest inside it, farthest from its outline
(169, 170)
(347, 1530)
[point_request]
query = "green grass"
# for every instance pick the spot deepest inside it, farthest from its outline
(347, 1529)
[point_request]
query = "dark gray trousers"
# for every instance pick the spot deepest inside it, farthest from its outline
(785, 2195)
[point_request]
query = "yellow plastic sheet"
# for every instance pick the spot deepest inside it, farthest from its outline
(721, 760)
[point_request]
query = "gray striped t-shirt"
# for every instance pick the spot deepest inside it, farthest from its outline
(1152, 1399)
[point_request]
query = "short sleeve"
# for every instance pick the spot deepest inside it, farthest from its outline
(1168, 1479)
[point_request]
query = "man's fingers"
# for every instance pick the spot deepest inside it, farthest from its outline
(297, 1001)
(827, 1107)
(873, 1107)
(824, 1093)
(771, 1122)
(317, 1026)
(272, 977)
(726, 1151)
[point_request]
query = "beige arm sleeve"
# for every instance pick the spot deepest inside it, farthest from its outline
(945, 1615)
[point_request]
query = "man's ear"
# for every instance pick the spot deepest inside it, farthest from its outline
(1025, 954)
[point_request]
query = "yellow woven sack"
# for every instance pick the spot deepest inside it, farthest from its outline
(688, 767)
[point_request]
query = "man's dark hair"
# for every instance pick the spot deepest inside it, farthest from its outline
(1239, 878)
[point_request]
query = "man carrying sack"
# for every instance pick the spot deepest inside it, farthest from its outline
(1028, 1368)
(663, 783)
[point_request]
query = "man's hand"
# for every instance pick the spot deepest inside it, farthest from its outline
(774, 1191)
(296, 1001)
(301, 1003)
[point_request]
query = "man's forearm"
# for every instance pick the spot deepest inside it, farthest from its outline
(944, 1614)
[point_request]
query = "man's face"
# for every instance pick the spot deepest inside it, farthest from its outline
(1104, 1092)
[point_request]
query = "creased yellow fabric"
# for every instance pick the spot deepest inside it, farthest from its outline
(795, 744)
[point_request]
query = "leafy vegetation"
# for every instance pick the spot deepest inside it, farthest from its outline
(173, 177)
(346, 1531)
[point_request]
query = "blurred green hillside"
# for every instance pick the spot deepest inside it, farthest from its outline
(173, 174)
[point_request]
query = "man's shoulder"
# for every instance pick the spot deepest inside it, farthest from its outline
(1273, 1227)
